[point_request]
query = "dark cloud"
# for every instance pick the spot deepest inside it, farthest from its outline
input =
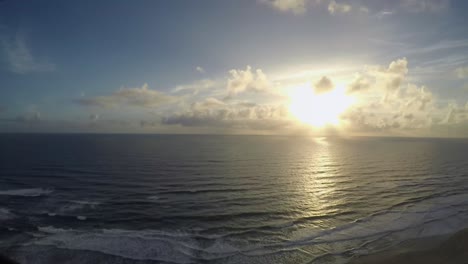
(138, 97)
(323, 85)
(233, 116)
(360, 83)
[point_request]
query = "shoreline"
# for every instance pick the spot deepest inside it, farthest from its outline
(443, 249)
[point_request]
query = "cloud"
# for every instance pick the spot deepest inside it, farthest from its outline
(137, 97)
(294, 6)
(388, 104)
(395, 74)
(323, 85)
(364, 9)
(20, 57)
(389, 79)
(214, 113)
(359, 84)
(208, 103)
(399, 67)
(200, 69)
(456, 114)
(336, 8)
(461, 72)
(384, 13)
(241, 81)
(299, 7)
(195, 87)
(29, 117)
(431, 6)
(94, 117)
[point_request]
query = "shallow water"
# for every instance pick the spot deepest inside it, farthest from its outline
(224, 199)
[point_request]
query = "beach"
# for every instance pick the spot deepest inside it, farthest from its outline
(431, 250)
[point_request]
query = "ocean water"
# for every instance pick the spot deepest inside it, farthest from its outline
(224, 199)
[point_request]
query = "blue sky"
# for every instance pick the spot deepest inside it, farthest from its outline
(233, 66)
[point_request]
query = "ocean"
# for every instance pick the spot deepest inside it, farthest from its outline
(224, 199)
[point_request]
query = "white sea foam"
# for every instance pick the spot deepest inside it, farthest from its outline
(134, 244)
(426, 218)
(153, 198)
(431, 217)
(5, 214)
(33, 192)
(73, 206)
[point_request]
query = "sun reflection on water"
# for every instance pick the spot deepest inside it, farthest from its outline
(319, 184)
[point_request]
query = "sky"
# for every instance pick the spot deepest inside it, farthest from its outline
(293, 67)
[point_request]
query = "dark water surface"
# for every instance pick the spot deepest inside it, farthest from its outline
(224, 199)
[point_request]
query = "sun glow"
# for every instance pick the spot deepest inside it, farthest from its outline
(319, 110)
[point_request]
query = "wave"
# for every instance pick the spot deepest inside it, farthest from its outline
(78, 205)
(359, 237)
(133, 244)
(431, 217)
(203, 191)
(33, 192)
(153, 198)
(436, 215)
(5, 214)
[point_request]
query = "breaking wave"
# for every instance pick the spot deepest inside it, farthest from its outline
(33, 192)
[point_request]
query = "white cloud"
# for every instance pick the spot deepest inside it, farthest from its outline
(389, 79)
(386, 102)
(195, 87)
(395, 74)
(461, 72)
(456, 114)
(384, 13)
(294, 6)
(241, 81)
(337, 8)
(208, 103)
(200, 69)
(20, 57)
(300, 7)
(359, 84)
(138, 97)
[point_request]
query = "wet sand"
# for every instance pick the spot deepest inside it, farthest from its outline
(432, 250)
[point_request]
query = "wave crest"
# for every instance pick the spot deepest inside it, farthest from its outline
(32, 192)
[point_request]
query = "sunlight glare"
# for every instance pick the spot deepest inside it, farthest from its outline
(319, 110)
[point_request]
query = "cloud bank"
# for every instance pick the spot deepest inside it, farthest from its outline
(137, 97)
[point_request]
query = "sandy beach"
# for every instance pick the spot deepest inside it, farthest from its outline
(433, 250)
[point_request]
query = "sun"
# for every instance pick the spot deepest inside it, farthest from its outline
(319, 110)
